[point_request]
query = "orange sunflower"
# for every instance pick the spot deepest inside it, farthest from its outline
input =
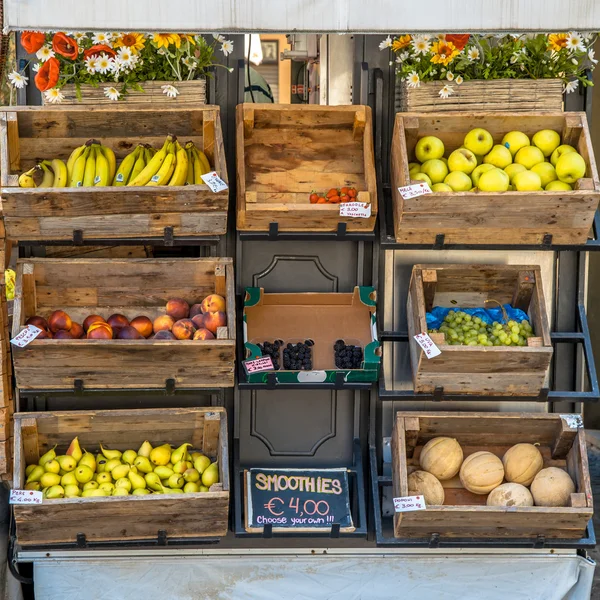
(557, 41)
(134, 41)
(443, 52)
(401, 42)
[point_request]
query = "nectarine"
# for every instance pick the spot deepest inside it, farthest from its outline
(117, 322)
(178, 308)
(195, 309)
(38, 322)
(213, 303)
(92, 319)
(61, 334)
(76, 331)
(129, 333)
(198, 320)
(203, 334)
(163, 334)
(213, 320)
(45, 335)
(183, 329)
(59, 319)
(143, 325)
(163, 323)
(98, 331)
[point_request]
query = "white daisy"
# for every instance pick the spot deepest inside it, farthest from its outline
(421, 44)
(446, 91)
(591, 56)
(35, 67)
(105, 64)
(91, 64)
(189, 62)
(54, 96)
(102, 38)
(170, 90)
(126, 57)
(571, 86)
(17, 80)
(78, 36)
(450, 76)
(44, 53)
(459, 80)
(473, 54)
(161, 51)
(387, 43)
(219, 38)
(575, 42)
(227, 47)
(112, 93)
(441, 37)
(413, 80)
(514, 58)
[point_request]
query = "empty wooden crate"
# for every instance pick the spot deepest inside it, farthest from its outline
(131, 287)
(287, 152)
(119, 518)
(476, 217)
(559, 438)
(483, 370)
(30, 134)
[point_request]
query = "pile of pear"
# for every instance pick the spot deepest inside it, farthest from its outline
(148, 470)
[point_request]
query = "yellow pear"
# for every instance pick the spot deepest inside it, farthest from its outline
(188, 457)
(500, 157)
(140, 492)
(164, 472)
(179, 454)
(196, 455)
(68, 479)
(74, 450)
(88, 460)
(111, 464)
(129, 456)
(55, 491)
(176, 481)
(169, 465)
(123, 482)
(95, 493)
(180, 467)
(100, 463)
(153, 482)
(107, 487)
(104, 477)
(120, 491)
(143, 464)
(35, 474)
(72, 491)
(161, 455)
(120, 471)
(167, 490)
(201, 463)
(191, 475)
(50, 455)
(145, 449)
(50, 479)
(211, 475)
(203, 488)
(67, 463)
(29, 469)
(133, 469)
(191, 487)
(83, 474)
(34, 485)
(137, 481)
(91, 485)
(52, 466)
(110, 454)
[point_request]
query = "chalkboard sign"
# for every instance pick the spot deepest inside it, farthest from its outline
(298, 499)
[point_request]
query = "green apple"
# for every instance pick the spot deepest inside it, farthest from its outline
(435, 169)
(547, 140)
(479, 171)
(529, 156)
(478, 141)
(546, 172)
(494, 180)
(570, 167)
(514, 141)
(442, 187)
(429, 147)
(563, 149)
(462, 160)
(414, 167)
(421, 177)
(458, 181)
(558, 186)
(513, 169)
(499, 156)
(527, 181)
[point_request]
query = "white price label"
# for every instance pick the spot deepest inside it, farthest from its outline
(26, 336)
(25, 497)
(414, 190)
(361, 210)
(427, 344)
(214, 182)
(409, 503)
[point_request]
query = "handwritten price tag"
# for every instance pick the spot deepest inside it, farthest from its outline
(414, 190)
(409, 503)
(264, 363)
(25, 497)
(427, 344)
(361, 210)
(214, 182)
(26, 336)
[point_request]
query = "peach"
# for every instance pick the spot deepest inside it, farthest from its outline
(98, 331)
(45, 335)
(195, 309)
(163, 334)
(102, 325)
(184, 329)
(198, 320)
(59, 320)
(163, 323)
(37, 321)
(129, 333)
(92, 319)
(203, 334)
(77, 331)
(143, 325)
(117, 322)
(212, 320)
(61, 334)
(213, 303)
(178, 308)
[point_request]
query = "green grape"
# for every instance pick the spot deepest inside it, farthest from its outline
(502, 337)
(507, 341)
(514, 337)
(467, 318)
(454, 335)
(451, 313)
(461, 338)
(472, 343)
(515, 329)
(497, 342)
(477, 321)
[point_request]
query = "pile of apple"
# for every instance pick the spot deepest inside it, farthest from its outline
(518, 163)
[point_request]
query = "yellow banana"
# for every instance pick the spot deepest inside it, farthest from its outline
(139, 165)
(166, 170)
(181, 168)
(76, 179)
(189, 180)
(26, 179)
(102, 176)
(111, 159)
(153, 166)
(149, 153)
(73, 157)
(125, 168)
(48, 179)
(198, 168)
(203, 160)
(90, 168)
(61, 175)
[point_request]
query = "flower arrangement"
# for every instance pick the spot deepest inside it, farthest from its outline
(455, 58)
(123, 60)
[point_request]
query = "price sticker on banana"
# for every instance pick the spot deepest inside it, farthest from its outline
(25, 497)
(214, 182)
(26, 336)
(414, 190)
(361, 210)
(427, 344)
(409, 503)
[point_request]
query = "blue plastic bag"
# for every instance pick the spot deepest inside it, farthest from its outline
(436, 317)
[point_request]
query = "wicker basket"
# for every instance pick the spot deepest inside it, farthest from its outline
(190, 92)
(505, 95)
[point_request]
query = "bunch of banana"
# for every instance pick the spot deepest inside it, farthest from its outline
(54, 174)
(133, 164)
(91, 164)
(198, 164)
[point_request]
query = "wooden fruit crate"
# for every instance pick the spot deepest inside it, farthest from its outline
(492, 217)
(194, 515)
(30, 134)
(482, 370)
(285, 152)
(464, 514)
(132, 287)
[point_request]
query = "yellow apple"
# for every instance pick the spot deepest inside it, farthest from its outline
(479, 171)
(558, 186)
(529, 156)
(462, 160)
(441, 187)
(444, 160)
(414, 167)
(458, 181)
(479, 141)
(513, 169)
(421, 177)
(570, 167)
(435, 169)
(527, 181)
(514, 141)
(499, 156)
(429, 147)
(563, 149)
(546, 172)
(546, 140)
(494, 180)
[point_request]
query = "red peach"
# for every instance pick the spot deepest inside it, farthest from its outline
(77, 331)
(198, 320)
(129, 333)
(61, 334)
(163, 323)
(178, 308)
(38, 322)
(59, 320)
(184, 329)
(143, 325)
(163, 334)
(117, 322)
(92, 319)
(100, 332)
(213, 303)
(195, 309)
(213, 320)
(203, 334)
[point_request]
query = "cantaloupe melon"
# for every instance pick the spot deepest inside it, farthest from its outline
(522, 463)
(481, 472)
(552, 487)
(422, 483)
(442, 457)
(510, 494)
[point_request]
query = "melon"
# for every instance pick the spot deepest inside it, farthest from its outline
(552, 487)
(481, 472)
(510, 494)
(522, 463)
(422, 483)
(442, 457)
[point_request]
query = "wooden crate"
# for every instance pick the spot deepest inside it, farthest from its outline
(30, 134)
(193, 515)
(497, 95)
(482, 370)
(132, 287)
(492, 217)
(285, 152)
(464, 514)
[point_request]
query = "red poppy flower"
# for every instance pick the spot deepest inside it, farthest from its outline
(32, 41)
(65, 46)
(458, 39)
(99, 49)
(47, 77)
